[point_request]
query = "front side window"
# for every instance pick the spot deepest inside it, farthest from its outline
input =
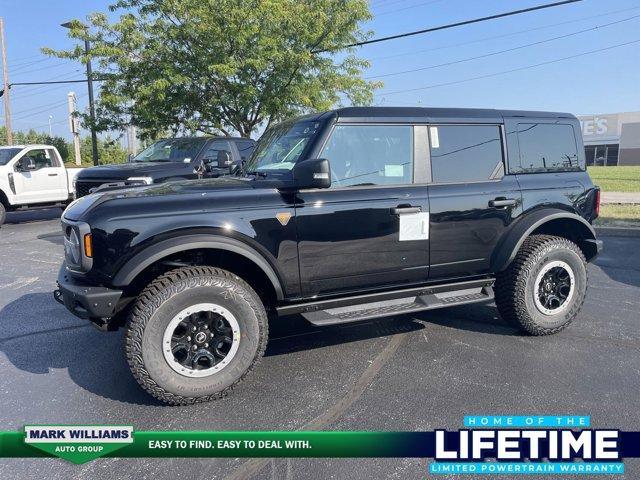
(171, 150)
(548, 147)
(465, 153)
(370, 155)
(281, 146)
(40, 158)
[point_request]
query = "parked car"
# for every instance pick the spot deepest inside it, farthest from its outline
(167, 160)
(33, 176)
(342, 216)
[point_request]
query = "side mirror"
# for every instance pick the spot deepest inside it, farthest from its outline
(314, 173)
(25, 164)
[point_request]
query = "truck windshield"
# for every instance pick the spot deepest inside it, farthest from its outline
(171, 150)
(281, 146)
(7, 154)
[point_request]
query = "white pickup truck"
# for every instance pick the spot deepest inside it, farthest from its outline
(33, 176)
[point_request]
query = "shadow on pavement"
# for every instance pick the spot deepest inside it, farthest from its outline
(51, 338)
(624, 266)
(30, 216)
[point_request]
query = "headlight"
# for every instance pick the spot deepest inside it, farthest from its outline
(72, 247)
(139, 180)
(78, 246)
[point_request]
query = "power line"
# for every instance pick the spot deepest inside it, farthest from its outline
(450, 25)
(519, 47)
(495, 74)
(389, 12)
(46, 109)
(550, 25)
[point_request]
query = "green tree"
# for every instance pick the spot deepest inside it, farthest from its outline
(222, 66)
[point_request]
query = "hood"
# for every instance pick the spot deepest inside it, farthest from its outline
(136, 169)
(204, 187)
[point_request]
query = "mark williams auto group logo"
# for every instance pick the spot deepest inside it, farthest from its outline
(527, 445)
(78, 444)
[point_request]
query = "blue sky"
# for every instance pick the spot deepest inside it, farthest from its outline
(602, 82)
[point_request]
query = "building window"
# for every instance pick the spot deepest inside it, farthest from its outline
(601, 155)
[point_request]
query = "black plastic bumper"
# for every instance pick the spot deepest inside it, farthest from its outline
(85, 301)
(595, 247)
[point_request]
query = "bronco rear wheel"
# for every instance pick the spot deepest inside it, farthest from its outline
(543, 289)
(194, 334)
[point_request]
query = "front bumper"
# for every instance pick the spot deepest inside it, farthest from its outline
(83, 300)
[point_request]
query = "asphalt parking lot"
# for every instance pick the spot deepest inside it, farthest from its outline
(417, 372)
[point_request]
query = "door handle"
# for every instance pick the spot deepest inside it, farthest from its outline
(502, 202)
(405, 209)
(53, 174)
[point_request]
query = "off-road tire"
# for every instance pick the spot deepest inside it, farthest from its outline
(3, 214)
(515, 287)
(154, 309)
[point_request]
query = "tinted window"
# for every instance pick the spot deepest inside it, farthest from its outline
(245, 147)
(370, 155)
(546, 146)
(465, 153)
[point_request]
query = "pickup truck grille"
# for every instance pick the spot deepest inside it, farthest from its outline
(83, 187)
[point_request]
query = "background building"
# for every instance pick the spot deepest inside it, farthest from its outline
(611, 139)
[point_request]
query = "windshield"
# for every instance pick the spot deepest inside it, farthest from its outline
(171, 150)
(7, 154)
(281, 146)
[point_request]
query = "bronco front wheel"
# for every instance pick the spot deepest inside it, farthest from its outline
(194, 334)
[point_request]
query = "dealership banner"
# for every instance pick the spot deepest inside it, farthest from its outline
(486, 445)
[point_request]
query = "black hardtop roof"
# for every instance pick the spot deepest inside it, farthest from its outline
(426, 113)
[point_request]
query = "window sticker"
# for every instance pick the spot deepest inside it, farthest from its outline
(47, 154)
(414, 226)
(435, 140)
(394, 171)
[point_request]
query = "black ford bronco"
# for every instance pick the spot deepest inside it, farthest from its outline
(340, 216)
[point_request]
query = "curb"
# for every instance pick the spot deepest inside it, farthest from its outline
(618, 232)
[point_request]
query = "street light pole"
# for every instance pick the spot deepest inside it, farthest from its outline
(92, 109)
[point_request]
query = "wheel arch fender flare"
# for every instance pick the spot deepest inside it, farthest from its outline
(150, 255)
(508, 247)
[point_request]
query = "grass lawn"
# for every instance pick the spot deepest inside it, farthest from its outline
(616, 179)
(615, 215)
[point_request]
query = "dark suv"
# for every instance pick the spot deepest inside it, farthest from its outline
(167, 160)
(340, 216)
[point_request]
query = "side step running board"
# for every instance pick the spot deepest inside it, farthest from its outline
(365, 307)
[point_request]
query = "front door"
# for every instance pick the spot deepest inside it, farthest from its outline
(472, 201)
(370, 229)
(45, 182)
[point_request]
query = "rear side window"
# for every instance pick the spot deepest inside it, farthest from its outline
(465, 153)
(370, 155)
(547, 147)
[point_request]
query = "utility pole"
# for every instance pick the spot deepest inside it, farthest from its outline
(73, 126)
(5, 78)
(92, 109)
(132, 142)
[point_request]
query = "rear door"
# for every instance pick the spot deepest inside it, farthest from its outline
(370, 229)
(472, 201)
